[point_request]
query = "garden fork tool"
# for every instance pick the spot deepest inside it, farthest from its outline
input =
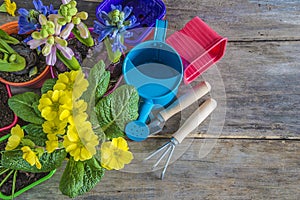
(198, 116)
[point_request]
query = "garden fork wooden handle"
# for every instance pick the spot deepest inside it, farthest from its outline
(198, 116)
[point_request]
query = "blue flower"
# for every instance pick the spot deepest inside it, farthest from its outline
(28, 20)
(115, 25)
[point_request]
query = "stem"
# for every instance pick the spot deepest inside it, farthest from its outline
(7, 176)
(14, 184)
(3, 171)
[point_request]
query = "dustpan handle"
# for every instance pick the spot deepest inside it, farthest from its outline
(160, 30)
(198, 116)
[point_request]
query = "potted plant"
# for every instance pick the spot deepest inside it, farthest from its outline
(49, 30)
(73, 120)
(8, 118)
(15, 182)
(20, 66)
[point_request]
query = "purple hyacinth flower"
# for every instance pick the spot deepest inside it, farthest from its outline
(107, 27)
(28, 20)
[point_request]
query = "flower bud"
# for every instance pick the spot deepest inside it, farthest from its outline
(12, 58)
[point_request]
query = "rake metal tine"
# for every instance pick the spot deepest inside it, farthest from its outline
(157, 151)
(167, 163)
(162, 156)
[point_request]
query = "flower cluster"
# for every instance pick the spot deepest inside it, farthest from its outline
(114, 154)
(66, 117)
(114, 25)
(30, 152)
(9, 7)
(29, 20)
(52, 29)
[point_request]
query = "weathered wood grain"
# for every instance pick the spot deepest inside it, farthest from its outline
(260, 72)
(262, 85)
(235, 169)
(237, 20)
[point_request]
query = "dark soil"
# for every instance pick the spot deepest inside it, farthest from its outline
(23, 179)
(6, 114)
(32, 59)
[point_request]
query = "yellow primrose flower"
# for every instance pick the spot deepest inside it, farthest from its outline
(55, 104)
(14, 140)
(81, 143)
(9, 7)
(72, 82)
(31, 157)
(114, 154)
(55, 127)
(78, 111)
(52, 143)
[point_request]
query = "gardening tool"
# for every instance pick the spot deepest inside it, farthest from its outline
(190, 124)
(199, 47)
(181, 103)
(155, 69)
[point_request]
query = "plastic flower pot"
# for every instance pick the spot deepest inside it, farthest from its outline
(24, 189)
(146, 13)
(37, 82)
(199, 47)
(5, 129)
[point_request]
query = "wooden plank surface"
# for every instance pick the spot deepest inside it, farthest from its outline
(258, 155)
(237, 20)
(235, 169)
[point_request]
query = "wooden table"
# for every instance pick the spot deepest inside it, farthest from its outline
(256, 156)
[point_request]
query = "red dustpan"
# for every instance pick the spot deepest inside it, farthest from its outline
(199, 47)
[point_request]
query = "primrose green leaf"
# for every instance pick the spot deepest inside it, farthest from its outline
(36, 134)
(80, 177)
(48, 85)
(36, 109)
(117, 109)
(23, 106)
(14, 160)
(98, 83)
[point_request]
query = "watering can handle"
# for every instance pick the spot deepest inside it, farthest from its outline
(160, 30)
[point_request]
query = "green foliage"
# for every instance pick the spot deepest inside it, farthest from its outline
(14, 160)
(72, 64)
(109, 115)
(98, 83)
(116, 110)
(113, 56)
(89, 41)
(7, 38)
(80, 177)
(24, 107)
(48, 85)
(36, 134)
(10, 60)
